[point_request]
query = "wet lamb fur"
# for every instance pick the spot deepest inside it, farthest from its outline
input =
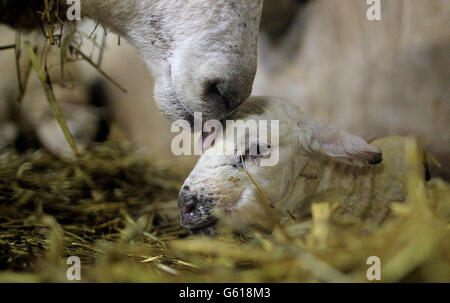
(310, 152)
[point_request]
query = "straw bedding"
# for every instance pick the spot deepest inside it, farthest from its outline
(117, 212)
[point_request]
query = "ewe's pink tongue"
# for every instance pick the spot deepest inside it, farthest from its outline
(207, 139)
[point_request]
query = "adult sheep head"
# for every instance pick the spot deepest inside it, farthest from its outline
(220, 181)
(202, 53)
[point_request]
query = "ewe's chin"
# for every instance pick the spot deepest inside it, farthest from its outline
(168, 102)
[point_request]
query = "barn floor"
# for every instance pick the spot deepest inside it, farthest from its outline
(117, 212)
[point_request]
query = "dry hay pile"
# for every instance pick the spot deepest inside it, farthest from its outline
(117, 212)
(50, 206)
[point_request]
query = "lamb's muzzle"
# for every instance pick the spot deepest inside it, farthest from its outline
(377, 158)
(196, 210)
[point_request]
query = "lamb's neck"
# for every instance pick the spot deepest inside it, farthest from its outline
(321, 180)
(308, 173)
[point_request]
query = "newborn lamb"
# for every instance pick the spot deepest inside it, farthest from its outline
(219, 183)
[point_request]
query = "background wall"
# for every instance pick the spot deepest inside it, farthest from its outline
(375, 78)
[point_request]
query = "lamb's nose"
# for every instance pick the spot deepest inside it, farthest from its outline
(186, 201)
(188, 207)
(229, 94)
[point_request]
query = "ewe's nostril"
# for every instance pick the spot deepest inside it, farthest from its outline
(217, 91)
(230, 95)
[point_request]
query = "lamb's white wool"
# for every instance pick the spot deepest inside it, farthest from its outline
(202, 53)
(220, 179)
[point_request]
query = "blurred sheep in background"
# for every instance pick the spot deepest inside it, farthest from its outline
(27, 122)
(374, 78)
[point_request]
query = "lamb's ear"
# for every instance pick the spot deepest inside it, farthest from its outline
(318, 137)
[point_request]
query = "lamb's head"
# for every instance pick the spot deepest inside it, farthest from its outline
(222, 181)
(202, 53)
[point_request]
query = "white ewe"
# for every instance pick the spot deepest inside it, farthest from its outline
(202, 53)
